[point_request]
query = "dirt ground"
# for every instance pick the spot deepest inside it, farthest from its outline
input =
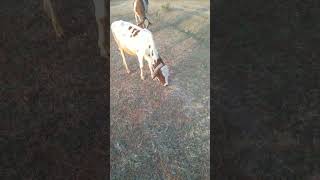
(163, 132)
(266, 90)
(52, 94)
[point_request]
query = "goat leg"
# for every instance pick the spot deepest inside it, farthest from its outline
(151, 70)
(48, 8)
(136, 17)
(140, 58)
(124, 61)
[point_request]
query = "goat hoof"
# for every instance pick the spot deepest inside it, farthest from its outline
(128, 71)
(142, 78)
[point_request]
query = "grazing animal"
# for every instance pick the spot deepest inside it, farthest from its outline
(137, 41)
(101, 17)
(140, 8)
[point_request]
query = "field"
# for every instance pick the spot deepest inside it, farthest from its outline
(53, 93)
(163, 132)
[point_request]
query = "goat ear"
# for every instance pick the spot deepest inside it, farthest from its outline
(157, 69)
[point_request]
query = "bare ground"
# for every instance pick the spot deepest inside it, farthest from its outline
(163, 132)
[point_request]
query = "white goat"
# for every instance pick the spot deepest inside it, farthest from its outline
(137, 41)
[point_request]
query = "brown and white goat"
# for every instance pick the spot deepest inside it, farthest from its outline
(100, 14)
(137, 41)
(140, 8)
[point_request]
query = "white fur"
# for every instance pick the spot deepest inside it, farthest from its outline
(142, 45)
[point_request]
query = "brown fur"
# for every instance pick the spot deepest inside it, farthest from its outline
(159, 75)
(141, 11)
(136, 33)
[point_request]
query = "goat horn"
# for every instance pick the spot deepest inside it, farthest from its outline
(156, 70)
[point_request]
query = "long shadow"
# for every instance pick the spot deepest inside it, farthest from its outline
(55, 108)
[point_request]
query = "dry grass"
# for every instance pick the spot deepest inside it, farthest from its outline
(159, 132)
(165, 7)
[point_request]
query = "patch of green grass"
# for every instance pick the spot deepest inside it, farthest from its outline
(166, 7)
